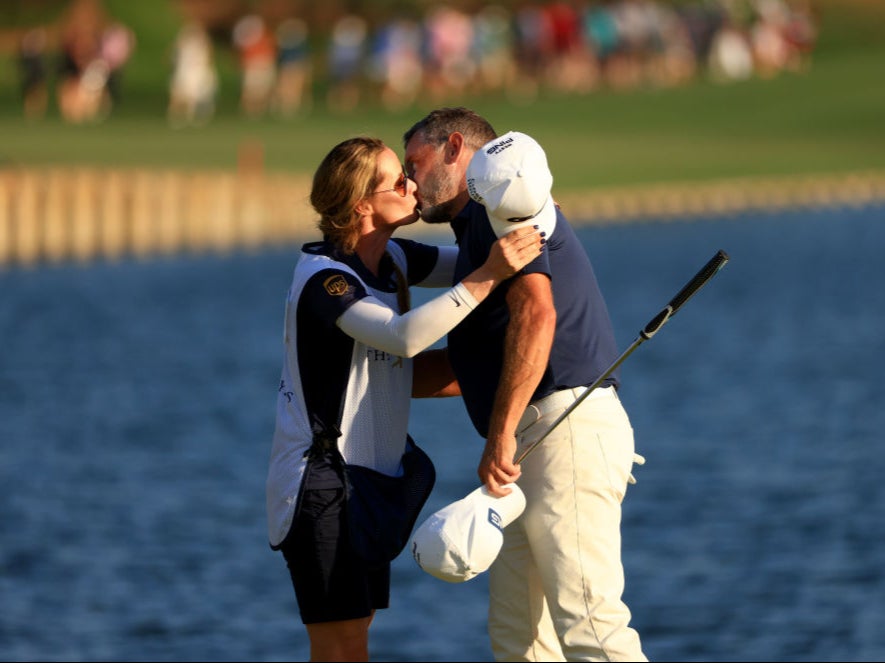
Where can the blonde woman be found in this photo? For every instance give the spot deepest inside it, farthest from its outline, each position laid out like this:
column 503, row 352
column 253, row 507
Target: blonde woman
column 354, row 356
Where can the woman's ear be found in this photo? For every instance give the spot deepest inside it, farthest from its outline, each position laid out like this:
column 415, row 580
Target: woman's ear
column 364, row 207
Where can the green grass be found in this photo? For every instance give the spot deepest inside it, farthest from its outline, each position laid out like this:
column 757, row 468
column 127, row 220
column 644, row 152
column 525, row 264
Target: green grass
column 830, row 119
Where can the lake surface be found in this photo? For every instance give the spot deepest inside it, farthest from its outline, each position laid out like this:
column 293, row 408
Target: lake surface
column 137, row 406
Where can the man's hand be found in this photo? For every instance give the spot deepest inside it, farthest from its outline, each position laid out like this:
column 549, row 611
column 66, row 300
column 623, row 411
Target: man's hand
column 496, row 467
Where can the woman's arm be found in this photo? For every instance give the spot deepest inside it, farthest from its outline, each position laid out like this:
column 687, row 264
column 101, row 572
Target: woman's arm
column 372, row 322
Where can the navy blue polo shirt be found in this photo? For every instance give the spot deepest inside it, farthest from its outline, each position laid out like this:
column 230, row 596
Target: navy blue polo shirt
column 584, row 342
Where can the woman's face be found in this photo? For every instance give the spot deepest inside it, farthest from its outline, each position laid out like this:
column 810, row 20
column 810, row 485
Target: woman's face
column 394, row 202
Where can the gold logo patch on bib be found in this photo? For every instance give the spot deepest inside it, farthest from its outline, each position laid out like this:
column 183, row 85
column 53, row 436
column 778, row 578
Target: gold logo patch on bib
column 335, row 285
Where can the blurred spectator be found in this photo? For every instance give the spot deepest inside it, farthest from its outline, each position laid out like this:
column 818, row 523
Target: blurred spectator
column 83, row 75
column 701, row 22
column 346, row 53
column 601, row 32
column 731, row 56
column 258, row 64
column 673, row 62
column 116, row 46
column 395, row 63
column 32, row 69
column 449, row 67
column 493, row 49
column 572, row 66
column 534, row 46
column 194, row 81
column 625, row 66
column 801, row 33
column 779, row 37
column 294, row 68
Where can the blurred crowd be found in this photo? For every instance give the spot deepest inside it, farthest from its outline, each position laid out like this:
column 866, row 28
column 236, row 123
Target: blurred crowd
column 87, row 69
column 439, row 54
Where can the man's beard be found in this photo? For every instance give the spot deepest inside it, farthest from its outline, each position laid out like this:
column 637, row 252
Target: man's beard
column 438, row 199
column 441, row 213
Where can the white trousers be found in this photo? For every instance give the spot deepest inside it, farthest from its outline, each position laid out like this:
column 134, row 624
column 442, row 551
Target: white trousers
column 556, row 586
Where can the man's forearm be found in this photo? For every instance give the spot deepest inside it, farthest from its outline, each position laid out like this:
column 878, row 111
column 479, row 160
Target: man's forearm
column 527, row 346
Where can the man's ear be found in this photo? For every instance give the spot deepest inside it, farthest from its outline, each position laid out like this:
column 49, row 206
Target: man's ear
column 454, row 146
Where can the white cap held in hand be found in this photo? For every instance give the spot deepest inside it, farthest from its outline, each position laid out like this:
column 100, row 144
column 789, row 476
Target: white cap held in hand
column 510, row 177
column 462, row 540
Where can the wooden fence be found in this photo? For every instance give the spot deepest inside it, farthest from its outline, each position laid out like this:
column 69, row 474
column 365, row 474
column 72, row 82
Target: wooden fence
column 51, row 215
column 54, row 214
column 726, row 197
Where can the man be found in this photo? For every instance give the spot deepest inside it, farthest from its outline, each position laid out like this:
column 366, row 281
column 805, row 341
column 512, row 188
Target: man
column 521, row 358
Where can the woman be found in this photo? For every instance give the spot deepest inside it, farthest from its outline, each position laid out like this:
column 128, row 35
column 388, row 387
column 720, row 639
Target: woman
column 347, row 377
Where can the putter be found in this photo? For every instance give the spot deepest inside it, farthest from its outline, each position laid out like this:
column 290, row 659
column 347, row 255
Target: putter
column 707, row 272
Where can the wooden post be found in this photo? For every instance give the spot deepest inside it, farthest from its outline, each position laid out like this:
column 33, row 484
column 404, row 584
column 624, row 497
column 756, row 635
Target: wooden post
column 6, row 237
column 56, row 231
column 113, row 237
column 221, row 213
column 170, row 234
column 27, row 231
column 85, row 221
column 142, row 229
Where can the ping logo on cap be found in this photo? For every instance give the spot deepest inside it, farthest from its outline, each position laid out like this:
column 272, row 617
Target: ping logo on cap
column 500, row 145
column 495, row 519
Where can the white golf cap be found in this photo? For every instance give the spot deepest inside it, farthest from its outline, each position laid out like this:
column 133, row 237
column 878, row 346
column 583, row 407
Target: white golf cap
column 510, row 177
column 460, row 541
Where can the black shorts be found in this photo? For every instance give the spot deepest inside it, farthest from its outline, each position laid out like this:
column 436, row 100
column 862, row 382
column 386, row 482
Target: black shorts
column 331, row 582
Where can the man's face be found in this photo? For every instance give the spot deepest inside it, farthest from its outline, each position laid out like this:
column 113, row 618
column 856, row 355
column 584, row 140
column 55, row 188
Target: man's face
column 439, row 181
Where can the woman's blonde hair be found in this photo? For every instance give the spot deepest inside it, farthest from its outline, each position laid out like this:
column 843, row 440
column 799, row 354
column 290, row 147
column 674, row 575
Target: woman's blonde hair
column 347, row 174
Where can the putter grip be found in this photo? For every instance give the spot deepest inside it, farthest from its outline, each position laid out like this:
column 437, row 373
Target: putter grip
column 715, row 263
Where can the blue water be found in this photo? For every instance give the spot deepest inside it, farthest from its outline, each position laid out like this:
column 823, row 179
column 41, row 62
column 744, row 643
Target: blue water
column 136, row 410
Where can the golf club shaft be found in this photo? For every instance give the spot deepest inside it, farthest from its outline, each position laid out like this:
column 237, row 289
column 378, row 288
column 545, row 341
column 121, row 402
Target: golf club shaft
column 707, row 272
